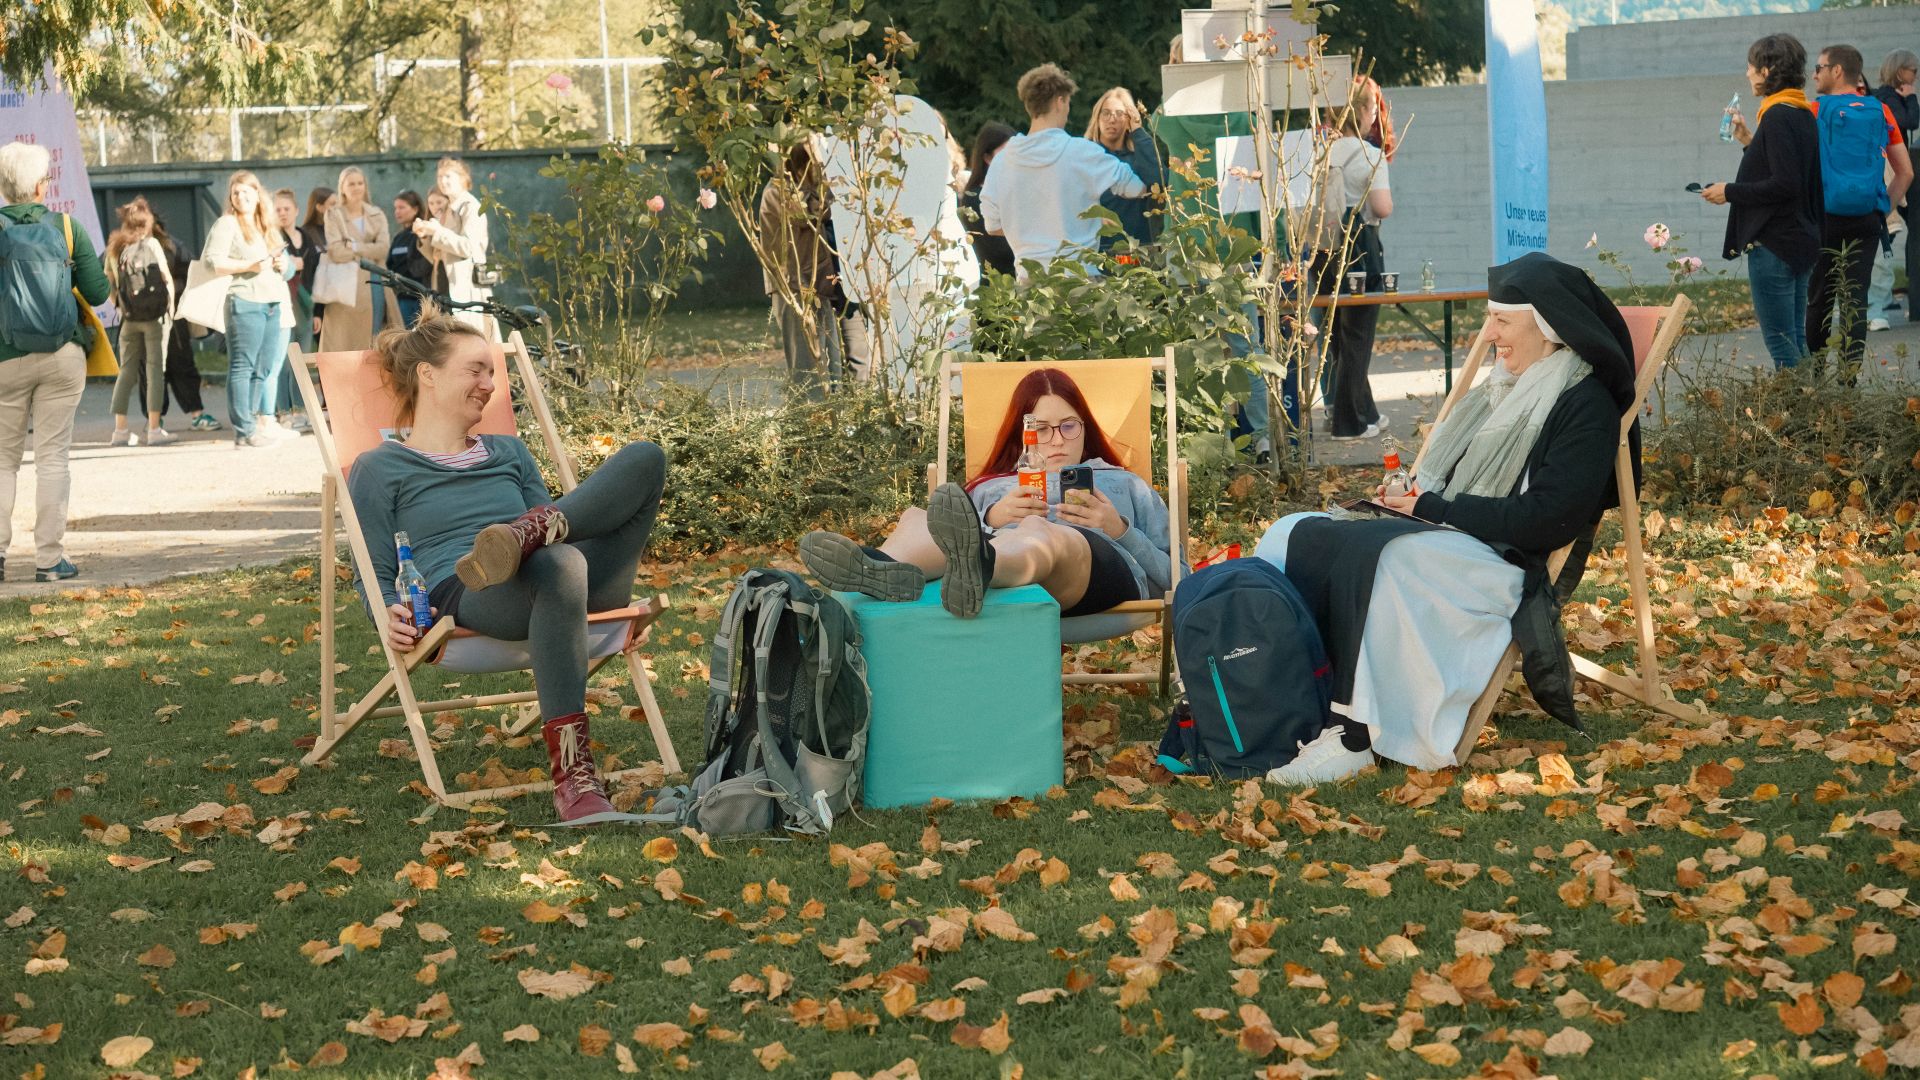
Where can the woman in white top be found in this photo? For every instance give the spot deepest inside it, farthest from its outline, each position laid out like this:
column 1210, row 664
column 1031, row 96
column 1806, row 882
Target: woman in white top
column 457, row 242
column 355, row 230
column 1361, row 168
column 143, row 291
column 245, row 246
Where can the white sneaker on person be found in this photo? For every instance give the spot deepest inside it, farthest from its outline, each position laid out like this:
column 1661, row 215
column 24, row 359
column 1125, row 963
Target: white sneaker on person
column 1321, row 761
column 1372, row 432
column 1879, row 324
column 1384, row 422
column 159, row 436
column 296, row 422
column 255, row 440
column 123, row 437
column 265, row 424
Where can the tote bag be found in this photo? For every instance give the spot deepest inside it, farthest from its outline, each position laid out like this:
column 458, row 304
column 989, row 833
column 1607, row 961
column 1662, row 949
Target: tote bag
column 204, row 300
column 337, row 283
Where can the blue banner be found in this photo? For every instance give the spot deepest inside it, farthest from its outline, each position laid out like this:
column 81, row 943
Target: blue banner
column 1517, row 130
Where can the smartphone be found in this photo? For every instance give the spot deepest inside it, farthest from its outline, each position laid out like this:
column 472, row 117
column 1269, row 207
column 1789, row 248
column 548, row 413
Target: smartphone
column 1075, row 476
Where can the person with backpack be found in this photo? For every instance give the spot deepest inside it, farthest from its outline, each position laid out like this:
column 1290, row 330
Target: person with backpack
column 48, row 268
column 143, row 291
column 498, row 552
column 1774, row 202
column 1859, row 140
column 1090, row 548
column 1414, row 616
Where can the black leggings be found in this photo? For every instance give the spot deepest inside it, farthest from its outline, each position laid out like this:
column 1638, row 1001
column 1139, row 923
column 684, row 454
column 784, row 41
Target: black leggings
column 609, row 517
column 1109, row 580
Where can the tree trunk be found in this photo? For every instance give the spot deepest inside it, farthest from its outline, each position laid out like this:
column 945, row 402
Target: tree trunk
column 473, row 133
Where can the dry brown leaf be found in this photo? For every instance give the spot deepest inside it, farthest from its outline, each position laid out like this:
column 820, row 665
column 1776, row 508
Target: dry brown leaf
column 557, row 985
column 329, row 1055
column 679, row 967
column 994, row 1040
column 773, row 1055
column 159, row 956
column 125, row 1050
column 661, row 849
column 1804, row 1016
column 1041, row 996
column 662, row 1037
column 524, row 1033
column 1568, row 1042
column 542, row 912
column 594, row 1039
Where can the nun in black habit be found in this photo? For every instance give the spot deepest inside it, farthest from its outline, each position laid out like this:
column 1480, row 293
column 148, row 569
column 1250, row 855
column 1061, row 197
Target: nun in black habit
column 1417, row 614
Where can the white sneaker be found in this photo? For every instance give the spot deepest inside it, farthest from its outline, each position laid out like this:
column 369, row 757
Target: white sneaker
column 159, row 436
column 1321, row 761
column 1879, row 324
column 1372, row 432
column 296, row 422
column 123, row 437
column 267, row 425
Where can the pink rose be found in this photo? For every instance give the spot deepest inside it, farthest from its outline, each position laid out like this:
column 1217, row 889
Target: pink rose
column 1688, row 265
column 1657, row 236
column 560, row 81
column 707, row 199
column 657, row 204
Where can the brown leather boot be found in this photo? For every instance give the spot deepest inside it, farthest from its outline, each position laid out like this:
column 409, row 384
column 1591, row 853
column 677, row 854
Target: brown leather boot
column 499, row 549
column 578, row 796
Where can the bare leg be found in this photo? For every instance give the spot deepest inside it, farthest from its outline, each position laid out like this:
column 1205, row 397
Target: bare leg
column 1036, row 552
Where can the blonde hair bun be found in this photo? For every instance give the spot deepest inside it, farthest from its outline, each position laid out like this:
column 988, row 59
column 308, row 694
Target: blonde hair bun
column 401, row 351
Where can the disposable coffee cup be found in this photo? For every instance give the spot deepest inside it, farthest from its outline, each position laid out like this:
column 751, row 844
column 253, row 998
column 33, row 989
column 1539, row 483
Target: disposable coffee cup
column 1357, row 282
column 1390, row 281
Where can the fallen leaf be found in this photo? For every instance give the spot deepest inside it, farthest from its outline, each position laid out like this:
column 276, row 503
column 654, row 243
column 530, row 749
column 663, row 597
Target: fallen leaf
column 1568, row 1042
column 662, row 1037
column 329, row 1054
column 1804, row 1016
column 772, row 1056
column 125, row 1050
column 524, row 1033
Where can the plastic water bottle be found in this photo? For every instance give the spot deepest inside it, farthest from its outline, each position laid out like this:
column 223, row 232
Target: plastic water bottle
column 1426, row 276
column 1032, row 468
column 410, row 585
column 1726, row 119
column 1399, row 480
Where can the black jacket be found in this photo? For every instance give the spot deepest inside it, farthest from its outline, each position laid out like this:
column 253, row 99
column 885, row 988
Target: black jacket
column 1906, row 110
column 1568, row 477
column 1775, row 199
column 991, row 250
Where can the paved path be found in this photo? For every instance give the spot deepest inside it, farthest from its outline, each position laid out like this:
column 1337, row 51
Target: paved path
column 143, row 514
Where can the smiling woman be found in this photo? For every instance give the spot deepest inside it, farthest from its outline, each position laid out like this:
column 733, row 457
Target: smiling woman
column 495, row 549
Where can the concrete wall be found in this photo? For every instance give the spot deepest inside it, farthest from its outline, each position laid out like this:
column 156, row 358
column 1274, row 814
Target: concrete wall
column 1719, row 46
column 510, row 176
column 1622, row 157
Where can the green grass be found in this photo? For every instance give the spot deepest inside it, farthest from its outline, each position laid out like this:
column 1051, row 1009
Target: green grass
column 152, row 671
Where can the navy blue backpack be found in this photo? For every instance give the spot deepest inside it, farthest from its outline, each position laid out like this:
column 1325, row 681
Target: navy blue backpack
column 1256, row 674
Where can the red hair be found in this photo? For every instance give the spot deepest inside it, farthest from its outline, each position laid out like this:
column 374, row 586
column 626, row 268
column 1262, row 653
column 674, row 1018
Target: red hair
column 1038, row 384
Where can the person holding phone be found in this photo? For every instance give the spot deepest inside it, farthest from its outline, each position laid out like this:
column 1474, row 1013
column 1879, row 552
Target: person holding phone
column 1104, row 542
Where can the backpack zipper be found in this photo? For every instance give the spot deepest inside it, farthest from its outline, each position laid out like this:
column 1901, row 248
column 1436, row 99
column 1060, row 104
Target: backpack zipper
column 1226, row 710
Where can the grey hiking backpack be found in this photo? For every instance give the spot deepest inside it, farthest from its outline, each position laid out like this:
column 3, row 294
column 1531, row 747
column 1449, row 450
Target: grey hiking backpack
column 786, row 714
column 38, row 312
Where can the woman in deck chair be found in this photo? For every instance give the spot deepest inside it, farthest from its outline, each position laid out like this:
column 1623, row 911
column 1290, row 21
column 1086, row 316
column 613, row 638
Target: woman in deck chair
column 1092, row 550
column 1416, row 616
column 498, row 552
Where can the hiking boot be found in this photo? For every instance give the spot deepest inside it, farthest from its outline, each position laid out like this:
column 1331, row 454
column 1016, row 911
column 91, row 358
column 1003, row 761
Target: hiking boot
column 1321, row 761
column 841, row 564
column 955, row 526
column 578, row 796
column 59, row 571
column 499, row 549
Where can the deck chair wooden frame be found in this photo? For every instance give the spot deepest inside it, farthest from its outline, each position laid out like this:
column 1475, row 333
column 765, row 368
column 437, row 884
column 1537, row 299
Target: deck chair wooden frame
column 1655, row 329
column 1136, row 403
column 610, row 633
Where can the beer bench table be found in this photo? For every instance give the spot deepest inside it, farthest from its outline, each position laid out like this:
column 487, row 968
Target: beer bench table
column 1446, row 298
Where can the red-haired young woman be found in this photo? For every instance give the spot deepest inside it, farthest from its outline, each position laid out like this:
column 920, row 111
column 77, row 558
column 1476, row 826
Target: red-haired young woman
column 1091, row 551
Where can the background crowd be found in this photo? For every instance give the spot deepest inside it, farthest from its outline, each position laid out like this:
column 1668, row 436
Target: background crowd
column 268, row 274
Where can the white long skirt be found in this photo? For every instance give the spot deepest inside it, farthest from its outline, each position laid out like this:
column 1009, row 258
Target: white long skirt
column 1439, row 620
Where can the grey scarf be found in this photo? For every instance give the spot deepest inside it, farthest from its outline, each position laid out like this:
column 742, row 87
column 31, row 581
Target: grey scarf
column 1482, row 446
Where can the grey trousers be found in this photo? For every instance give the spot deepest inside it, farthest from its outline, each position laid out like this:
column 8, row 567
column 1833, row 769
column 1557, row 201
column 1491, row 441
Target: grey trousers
column 609, row 518
column 143, row 348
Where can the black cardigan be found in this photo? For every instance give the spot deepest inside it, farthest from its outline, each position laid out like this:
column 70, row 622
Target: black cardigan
column 1775, row 199
column 1569, row 481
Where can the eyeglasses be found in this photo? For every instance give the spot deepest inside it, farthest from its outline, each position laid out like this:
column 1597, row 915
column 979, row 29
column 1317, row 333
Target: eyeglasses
column 1822, row 67
column 1069, row 430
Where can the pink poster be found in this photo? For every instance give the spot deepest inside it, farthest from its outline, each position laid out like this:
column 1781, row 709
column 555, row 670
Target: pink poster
column 46, row 116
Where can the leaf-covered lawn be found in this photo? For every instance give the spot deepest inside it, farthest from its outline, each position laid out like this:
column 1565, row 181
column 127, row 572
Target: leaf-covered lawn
column 182, row 898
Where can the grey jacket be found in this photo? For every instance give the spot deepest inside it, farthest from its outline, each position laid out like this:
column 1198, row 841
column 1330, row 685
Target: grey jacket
column 1143, row 545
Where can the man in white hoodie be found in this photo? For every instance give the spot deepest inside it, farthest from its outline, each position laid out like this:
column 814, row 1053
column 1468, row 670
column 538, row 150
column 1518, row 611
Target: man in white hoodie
column 1041, row 182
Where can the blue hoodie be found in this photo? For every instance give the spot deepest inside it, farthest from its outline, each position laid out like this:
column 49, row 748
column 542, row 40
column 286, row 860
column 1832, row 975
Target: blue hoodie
column 1040, row 185
column 1143, row 546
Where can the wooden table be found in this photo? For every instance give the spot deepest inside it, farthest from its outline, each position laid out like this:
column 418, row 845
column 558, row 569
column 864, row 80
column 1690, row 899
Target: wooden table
column 1446, row 298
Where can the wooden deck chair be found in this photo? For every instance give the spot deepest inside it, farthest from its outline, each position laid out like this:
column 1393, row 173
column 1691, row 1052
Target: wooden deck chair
column 1120, row 394
column 1654, row 330
column 359, row 414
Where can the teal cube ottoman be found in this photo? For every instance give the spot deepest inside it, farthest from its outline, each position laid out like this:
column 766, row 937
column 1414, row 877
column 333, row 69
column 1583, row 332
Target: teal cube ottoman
column 963, row 709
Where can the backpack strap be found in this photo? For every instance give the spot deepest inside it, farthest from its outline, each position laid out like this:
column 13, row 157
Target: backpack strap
column 800, row 816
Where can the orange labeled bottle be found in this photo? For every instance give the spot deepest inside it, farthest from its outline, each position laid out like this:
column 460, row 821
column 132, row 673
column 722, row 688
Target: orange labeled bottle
column 1399, row 481
column 1031, row 470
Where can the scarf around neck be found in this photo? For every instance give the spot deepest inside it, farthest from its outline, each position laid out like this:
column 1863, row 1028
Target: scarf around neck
column 1482, row 446
column 1792, row 97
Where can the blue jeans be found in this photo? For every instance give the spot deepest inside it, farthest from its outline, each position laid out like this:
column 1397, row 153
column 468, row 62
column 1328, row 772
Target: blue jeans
column 1880, row 293
column 409, row 311
column 1780, row 305
column 256, row 351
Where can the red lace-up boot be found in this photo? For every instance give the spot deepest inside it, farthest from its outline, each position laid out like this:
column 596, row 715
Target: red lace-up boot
column 499, row 549
column 578, row 796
